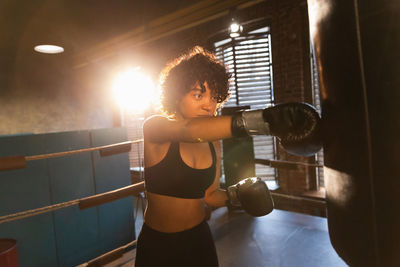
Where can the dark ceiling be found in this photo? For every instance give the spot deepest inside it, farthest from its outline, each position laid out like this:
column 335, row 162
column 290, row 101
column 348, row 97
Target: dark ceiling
column 77, row 25
column 91, row 31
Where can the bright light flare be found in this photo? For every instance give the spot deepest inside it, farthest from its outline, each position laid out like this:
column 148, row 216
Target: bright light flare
column 134, row 90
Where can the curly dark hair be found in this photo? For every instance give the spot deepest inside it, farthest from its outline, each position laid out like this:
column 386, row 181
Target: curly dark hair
column 197, row 65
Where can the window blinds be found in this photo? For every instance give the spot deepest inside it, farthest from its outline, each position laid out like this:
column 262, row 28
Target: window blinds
column 248, row 59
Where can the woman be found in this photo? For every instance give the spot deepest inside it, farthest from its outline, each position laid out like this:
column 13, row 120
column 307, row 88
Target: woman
column 182, row 163
column 182, row 159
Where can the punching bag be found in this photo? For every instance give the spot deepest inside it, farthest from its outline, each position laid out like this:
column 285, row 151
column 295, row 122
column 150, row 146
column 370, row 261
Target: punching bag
column 357, row 47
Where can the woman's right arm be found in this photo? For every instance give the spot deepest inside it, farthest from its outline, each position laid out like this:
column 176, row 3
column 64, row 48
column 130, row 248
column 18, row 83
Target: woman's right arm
column 159, row 129
column 297, row 125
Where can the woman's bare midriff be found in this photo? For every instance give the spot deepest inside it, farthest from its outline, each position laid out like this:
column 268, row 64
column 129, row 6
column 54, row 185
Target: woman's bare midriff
column 170, row 214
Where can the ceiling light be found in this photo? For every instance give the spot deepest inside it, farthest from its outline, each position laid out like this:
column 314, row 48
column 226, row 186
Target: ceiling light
column 49, row 49
column 235, row 29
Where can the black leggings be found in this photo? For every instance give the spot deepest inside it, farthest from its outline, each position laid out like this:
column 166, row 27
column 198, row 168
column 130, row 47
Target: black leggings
column 193, row 247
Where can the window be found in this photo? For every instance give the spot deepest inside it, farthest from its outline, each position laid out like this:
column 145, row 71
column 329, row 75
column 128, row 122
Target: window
column 248, row 59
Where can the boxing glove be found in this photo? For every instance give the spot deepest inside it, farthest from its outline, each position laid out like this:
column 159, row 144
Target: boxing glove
column 251, row 194
column 296, row 125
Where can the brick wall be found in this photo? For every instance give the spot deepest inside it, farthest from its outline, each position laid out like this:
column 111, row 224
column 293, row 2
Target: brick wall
column 292, row 79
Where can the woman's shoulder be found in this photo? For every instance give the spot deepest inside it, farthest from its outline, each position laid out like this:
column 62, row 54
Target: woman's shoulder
column 155, row 119
column 156, row 128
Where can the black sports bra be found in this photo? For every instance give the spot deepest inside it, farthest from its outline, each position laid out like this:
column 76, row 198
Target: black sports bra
column 173, row 177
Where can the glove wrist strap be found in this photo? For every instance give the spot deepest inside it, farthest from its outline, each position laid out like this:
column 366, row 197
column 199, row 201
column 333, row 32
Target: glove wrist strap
column 249, row 122
column 233, row 197
column 254, row 122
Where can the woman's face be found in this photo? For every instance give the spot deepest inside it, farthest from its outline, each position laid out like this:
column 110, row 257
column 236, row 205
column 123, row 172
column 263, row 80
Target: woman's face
column 198, row 102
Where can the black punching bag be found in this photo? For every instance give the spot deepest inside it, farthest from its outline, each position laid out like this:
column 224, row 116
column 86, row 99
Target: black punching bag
column 357, row 45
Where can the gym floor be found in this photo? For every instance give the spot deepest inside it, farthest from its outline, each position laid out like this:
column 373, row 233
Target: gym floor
column 282, row 238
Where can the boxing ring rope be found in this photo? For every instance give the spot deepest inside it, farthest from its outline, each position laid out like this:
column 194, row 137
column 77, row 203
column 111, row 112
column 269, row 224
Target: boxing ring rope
column 108, row 256
column 19, row 162
column 282, row 164
column 33, row 212
column 83, row 203
column 91, row 201
column 291, row 197
column 290, row 165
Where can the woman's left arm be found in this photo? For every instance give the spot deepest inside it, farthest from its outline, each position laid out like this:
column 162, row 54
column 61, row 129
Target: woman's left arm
column 215, row 196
